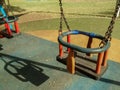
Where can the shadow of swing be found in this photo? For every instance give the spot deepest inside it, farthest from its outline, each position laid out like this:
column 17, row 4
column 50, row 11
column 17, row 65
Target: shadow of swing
column 24, row 70
column 16, row 8
column 27, row 70
column 110, row 81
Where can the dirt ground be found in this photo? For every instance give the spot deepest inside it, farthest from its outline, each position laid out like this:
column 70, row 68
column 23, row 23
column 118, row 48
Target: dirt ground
column 34, row 16
column 52, row 35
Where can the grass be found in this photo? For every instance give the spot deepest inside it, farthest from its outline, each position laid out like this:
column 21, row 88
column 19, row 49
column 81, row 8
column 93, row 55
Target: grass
column 81, row 14
column 83, row 7
column 96, row 25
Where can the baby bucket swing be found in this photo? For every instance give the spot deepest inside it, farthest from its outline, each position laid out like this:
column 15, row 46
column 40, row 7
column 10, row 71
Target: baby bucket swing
column 74, row 59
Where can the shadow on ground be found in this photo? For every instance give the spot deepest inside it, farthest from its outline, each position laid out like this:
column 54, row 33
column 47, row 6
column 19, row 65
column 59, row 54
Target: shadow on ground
column 26, row 70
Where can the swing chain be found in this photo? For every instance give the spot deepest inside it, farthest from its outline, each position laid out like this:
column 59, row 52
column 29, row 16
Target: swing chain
column 63, row 17
column 7, row 6
column 10, row 8
column 108, row 33
column 1, row 2
column 108, row 36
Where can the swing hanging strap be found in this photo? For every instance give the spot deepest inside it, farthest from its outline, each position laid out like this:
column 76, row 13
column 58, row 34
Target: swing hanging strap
column 110, row 28
column 62, row 17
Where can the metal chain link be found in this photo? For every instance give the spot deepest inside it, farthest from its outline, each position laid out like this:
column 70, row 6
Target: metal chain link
column 10, row 8
column 108, row 33
column 7, row 7
column 1, row 2
column 63, row 17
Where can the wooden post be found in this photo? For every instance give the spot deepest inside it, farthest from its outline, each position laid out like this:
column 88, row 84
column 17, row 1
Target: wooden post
column 8, row 29
column 16, row 27
column 89, row 45
column 60, row 51
column 104, row 63
column 5, row 26
column 99, row 62
column 68, row 40
column 60, row 46
column 71, row 62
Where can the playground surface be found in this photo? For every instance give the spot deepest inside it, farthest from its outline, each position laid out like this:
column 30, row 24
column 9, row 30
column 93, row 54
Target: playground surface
column 29, row 63
column 28, row 60
column 52, row 35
